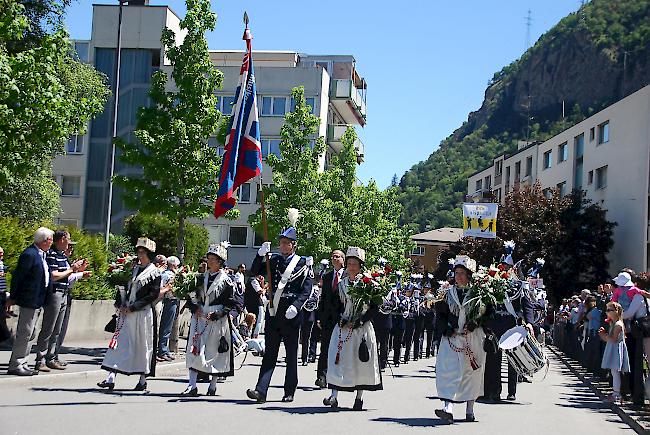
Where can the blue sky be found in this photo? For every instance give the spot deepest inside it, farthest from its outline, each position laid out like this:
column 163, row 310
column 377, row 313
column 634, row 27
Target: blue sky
column 427, row 63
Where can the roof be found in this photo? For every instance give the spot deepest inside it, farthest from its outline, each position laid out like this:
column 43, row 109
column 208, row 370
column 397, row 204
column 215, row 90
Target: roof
column 444, row 235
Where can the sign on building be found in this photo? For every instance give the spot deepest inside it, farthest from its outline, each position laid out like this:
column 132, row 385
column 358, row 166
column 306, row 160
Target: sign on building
column 480, row 220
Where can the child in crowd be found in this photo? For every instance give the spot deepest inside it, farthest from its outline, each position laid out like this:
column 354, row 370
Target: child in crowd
column 615, row 357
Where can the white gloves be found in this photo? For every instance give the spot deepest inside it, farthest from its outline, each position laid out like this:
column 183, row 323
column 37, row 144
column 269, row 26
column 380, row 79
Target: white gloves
column 309, row 261
column 264, row 249
column 292, row 312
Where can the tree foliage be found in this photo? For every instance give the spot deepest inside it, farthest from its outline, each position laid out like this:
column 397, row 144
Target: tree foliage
column 570, row 232
column 336, row 211
column 33, row 198
column 179, row 168
column 45, row 94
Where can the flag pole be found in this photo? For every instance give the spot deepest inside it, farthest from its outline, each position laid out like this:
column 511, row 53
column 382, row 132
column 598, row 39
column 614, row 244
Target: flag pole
column 247, row 37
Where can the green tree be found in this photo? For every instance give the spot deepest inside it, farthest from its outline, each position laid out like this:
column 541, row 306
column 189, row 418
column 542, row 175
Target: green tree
column 45, row 95
column 179, row 168
column 297, row 182
column 33, row 198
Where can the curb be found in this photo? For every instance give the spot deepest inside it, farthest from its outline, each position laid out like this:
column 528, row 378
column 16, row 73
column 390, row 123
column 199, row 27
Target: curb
column 624, row 416
column 166, row 370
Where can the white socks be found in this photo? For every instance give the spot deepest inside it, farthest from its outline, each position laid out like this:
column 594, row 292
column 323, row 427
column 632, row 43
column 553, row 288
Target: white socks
column 335, row 394
column 193, row 377
column 447, row 406
column 213, row 383
column 111, row 377
column 470, row 407
column 359, row 394
column 143, row 379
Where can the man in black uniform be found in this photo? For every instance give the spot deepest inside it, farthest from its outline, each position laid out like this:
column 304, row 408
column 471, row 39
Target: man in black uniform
column 399, row 325
column 413, row 296
column 291, row 284
column 329, row 309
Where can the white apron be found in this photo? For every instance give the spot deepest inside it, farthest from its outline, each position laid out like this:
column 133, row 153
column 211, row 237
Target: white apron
column 351, row 374
column 135, row 346
column 456, row 379
column 209, row 359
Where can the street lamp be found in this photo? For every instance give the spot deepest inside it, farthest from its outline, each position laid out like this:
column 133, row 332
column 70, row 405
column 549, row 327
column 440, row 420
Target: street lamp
column 115, row 107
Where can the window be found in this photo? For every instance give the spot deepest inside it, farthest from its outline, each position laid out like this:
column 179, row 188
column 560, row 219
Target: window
column 603, row 132
column 561, row 187
column 82, row 50
column 238, row 236
column 274, row 106
column 75, row 145
column 479, row 185
column 418, row 250
column 577, row 175
column 498, row 195
column 258, row 194
column 70, row 185
column 548, row 159
column 517, row 171
column 601, row 177
column 579, row 145
column 488, row 182
column 591, row 134
column 271, row 146
column 227, row 105
column 259, row 239
column 498, row 168
column 529, row 166
column 310, row 101
column 244, row 193
column 507, row 176
column 69, row 223
column 590, row 177
column 562, row 153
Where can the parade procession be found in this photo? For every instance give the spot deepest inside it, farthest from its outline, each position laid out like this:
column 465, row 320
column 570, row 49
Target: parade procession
column 215, row 216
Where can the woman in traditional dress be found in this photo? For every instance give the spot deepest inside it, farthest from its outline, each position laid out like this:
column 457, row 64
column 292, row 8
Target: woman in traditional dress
column 131, row 349
column 460, row 365
column 353, row 362
column 209, row 345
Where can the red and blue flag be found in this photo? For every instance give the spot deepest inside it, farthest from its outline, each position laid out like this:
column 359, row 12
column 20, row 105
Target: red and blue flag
column 242, row 159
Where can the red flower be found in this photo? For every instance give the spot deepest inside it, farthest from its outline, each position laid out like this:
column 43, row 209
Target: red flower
column 505, row 275
column 375, row 274
column 366, row 279
column 388, row 269
column 110, row 269
column 502, row 267
column 492, row 272
column 121, row 260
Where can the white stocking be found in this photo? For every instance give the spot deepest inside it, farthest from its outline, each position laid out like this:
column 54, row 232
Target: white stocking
column 359, row 394
column 193, row 377
column 111, row 377
column 447, row 406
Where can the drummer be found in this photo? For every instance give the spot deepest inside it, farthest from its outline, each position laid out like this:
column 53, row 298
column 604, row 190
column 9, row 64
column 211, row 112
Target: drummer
column 505, row 317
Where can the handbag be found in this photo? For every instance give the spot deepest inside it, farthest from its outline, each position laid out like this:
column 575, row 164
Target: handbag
column 364, row 354
column 111, row 325
column 223, row 345
column 491, row 343
column 642, row 325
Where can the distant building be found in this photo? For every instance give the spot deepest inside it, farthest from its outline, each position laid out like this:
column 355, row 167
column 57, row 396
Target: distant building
column 430, row 244
column 607, row 156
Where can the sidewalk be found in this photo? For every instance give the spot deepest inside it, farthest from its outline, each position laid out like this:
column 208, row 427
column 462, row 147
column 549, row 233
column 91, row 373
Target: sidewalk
column 84, row 362
column 637, row 419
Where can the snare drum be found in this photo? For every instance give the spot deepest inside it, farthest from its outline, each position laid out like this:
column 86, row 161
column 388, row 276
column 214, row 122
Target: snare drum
column 523, row 351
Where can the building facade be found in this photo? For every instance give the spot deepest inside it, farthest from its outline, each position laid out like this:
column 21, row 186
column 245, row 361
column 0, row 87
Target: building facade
column 607, row 156
column 333, row 88
column 430, row 244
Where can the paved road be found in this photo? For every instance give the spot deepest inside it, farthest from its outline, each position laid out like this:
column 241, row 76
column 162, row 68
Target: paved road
column 561, row 404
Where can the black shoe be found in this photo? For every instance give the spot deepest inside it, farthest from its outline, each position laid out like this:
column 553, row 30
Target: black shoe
column 190, row 392
column 255, row 395
column 304, row 363
column 358, row 405
column 445, row 416
column 511, row 397
column 288, row 398
column 312, row 359
column 321, row 382
column 396, row 363
column 331, row 402
column 212, row 392
column 21, row 371
column 140, row 387
column 104, row 384
column 470, row 417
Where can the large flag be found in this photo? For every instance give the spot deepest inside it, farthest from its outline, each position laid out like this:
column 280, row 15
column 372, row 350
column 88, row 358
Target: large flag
column 242, row 159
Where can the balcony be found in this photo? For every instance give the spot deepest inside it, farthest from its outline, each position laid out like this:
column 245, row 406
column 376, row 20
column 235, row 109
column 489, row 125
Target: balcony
column 334, row 134
column 349, row 100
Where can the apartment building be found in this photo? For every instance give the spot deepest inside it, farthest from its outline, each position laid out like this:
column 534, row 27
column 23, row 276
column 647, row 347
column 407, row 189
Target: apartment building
column 606, row 156
column 333, row 88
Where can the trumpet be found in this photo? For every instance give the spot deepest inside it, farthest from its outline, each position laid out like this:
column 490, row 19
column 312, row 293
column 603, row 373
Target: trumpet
column 389, row 304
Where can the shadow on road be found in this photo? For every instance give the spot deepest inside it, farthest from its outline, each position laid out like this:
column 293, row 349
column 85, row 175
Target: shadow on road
column 57, row 404
column 305, row 410
column 413, row 422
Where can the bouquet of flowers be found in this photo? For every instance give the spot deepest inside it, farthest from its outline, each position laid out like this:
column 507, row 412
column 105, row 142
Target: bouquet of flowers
column 186, row 281
column 119, row 272
column 489, row 286
column 371, row 288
